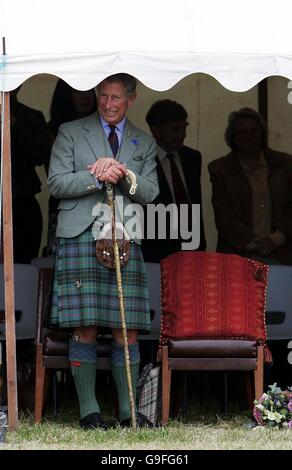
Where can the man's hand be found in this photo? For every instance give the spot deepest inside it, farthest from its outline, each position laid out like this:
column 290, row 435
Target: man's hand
column 264, row 246
column 108, row 169
column 101, row 166
column 113, row 174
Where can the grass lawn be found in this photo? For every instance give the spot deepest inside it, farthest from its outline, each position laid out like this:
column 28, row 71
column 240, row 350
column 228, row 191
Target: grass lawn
column 202, row 427
column 225, row 434
column 199, row 429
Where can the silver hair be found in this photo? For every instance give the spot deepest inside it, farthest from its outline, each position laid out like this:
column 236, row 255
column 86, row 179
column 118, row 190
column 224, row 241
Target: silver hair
column 129, row 82
column 244, row 113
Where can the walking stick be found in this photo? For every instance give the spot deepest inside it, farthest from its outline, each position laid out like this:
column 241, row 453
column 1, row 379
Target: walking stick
column 110, row 198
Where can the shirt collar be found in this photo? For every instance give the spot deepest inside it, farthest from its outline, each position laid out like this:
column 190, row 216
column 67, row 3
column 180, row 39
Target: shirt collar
column 261, row 163
column 162, row 153
column 106, row 126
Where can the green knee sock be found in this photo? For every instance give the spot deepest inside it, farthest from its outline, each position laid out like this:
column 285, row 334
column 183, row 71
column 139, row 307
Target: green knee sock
column 84, row 379
column 120, row 376
column 83, row 367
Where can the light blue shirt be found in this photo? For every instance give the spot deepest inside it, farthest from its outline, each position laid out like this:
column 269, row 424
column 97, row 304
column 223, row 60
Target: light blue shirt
column 119, row 128
column 119, row 131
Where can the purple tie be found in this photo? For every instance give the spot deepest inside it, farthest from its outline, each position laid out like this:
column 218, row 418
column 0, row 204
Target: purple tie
column 113, row 140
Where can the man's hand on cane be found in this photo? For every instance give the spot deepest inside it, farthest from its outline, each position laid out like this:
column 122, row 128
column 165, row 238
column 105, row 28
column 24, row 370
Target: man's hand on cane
column 108, row 169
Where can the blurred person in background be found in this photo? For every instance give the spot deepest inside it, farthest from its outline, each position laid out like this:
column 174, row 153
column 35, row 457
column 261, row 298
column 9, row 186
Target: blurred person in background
column 252, row 193
column 67, row 105
column 29, row 148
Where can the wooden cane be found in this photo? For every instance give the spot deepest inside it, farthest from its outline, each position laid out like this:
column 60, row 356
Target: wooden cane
column 110, row 198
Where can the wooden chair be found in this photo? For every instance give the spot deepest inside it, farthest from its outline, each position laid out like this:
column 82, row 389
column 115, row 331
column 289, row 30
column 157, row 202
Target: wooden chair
column 182, row 351
column 52, row 346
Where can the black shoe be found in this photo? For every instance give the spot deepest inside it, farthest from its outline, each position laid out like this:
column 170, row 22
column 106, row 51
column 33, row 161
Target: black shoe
column 93, row 421
column 142, row 422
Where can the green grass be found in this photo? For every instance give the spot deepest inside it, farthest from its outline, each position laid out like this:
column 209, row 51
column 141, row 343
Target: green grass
column 200, row 429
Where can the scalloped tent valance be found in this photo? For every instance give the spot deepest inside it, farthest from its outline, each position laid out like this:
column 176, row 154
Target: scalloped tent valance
column 158, row 41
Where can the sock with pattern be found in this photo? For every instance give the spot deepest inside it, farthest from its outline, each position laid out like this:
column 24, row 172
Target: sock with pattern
column 82, row 357
column 120, row 375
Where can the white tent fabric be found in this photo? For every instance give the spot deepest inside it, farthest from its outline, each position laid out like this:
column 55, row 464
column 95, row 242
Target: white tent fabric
column 158, row 41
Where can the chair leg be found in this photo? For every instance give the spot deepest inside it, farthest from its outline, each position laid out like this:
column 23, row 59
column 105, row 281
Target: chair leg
column 248, row 388
column 55, row 392
column 40, row 372
column 179, row 389
column 166, row 383
column 225, row 392
column 259, row 374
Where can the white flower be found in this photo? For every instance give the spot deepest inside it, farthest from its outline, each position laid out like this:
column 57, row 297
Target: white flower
column 274, row 416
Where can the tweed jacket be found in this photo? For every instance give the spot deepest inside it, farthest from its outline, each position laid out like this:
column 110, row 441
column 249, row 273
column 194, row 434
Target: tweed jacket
column 232, row 199
column 82, row 142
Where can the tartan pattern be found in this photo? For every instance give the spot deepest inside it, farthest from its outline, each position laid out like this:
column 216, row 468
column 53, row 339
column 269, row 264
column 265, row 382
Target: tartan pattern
column 148, row 392
column 85, row 292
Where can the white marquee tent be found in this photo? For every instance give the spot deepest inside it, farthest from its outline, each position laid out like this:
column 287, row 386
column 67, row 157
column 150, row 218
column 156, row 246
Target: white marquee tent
column 158, row 41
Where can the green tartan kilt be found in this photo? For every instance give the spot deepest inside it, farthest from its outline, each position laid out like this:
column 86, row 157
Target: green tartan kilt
column 85, row 292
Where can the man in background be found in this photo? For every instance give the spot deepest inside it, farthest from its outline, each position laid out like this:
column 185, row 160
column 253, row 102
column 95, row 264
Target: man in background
column 178, row 169
column 29, row 148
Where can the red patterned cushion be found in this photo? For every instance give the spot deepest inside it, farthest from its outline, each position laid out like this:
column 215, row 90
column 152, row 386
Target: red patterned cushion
column 209, row 295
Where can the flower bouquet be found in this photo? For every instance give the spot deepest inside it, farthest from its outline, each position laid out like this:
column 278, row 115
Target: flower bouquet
column 274, row 408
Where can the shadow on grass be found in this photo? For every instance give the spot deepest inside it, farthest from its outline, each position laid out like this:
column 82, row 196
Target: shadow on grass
column 201, row 402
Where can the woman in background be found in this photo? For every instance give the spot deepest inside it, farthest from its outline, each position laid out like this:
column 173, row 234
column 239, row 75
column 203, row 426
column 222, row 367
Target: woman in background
column 67, row 104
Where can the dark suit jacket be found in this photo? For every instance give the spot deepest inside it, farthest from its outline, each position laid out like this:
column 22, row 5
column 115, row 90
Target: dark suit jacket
column 155, row 250
column 232, row 201
column 29, row 148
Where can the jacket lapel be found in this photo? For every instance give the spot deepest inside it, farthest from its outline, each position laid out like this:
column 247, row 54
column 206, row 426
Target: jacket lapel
column 165, row 195
column 235, row 170
column 130, row 143
column 95, row 136
column 273, row 161
column 190, row 172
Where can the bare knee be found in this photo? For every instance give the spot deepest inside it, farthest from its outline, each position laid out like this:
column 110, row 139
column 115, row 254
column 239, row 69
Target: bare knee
column 87, row 334
column 118, row 336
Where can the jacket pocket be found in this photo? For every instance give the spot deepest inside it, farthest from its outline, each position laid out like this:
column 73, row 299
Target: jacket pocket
column 135, row 165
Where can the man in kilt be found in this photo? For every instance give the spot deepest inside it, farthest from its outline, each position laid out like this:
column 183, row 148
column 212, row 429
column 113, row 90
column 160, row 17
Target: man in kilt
column 87, row 153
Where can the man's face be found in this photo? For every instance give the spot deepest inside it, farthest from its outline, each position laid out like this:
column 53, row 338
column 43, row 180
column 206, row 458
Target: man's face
column 247, row 136
column 83, row 101
column 113, row 101
column 171, row 136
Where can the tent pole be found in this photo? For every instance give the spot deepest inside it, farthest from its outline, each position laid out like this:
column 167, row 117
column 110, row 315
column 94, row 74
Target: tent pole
column 9, row 271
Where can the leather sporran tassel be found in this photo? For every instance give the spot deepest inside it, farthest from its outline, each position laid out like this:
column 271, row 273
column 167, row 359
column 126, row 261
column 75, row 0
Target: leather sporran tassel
column 105, row 247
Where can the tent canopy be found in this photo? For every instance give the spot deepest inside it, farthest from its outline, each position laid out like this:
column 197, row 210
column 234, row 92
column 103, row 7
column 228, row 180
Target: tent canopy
column 158, row 41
